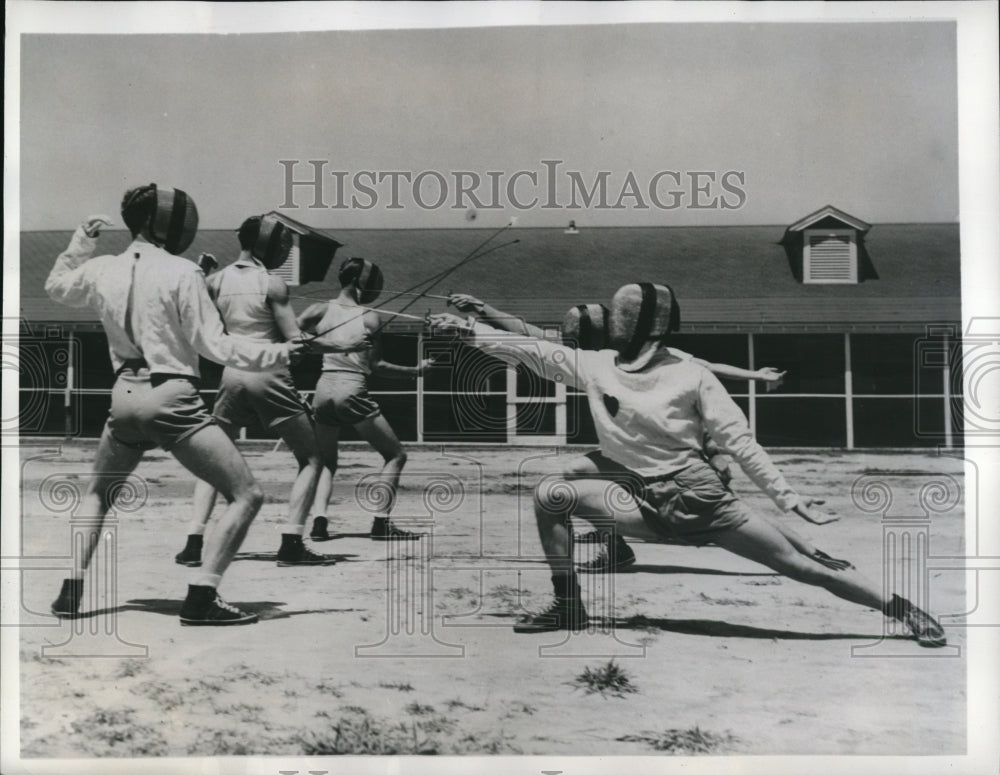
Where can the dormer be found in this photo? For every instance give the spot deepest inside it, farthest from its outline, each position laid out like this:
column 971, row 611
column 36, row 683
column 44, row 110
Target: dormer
column 826, row 247
column 311, row 255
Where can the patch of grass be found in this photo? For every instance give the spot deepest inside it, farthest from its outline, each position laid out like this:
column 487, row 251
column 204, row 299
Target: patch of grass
column 460, row 705
column 725, row 600
column 107, row 732
column 416, row 709
column 608, row 679
column 243, row 672
column 163, row 693
column 130, row 668
column 459, row 593
column 494, row 743
column 328, row 688
column 360, row 734
column 684, row 742
column 399, row 686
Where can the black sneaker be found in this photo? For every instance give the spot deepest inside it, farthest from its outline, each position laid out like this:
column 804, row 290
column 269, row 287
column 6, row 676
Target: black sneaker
column 923, row 627
column 319, row 530
column 561, row 615
column 190, row 555
column 384, row 530
column 216, row 613
column 67, row 605
column 609, row 560
column 294, row 552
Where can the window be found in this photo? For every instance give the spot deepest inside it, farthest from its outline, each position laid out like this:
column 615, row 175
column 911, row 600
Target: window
column 830, row 256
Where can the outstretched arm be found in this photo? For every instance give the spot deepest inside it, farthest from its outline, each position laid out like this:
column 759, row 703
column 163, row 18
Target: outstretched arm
column 465, row 303
column 373, row 324
column 765, row 374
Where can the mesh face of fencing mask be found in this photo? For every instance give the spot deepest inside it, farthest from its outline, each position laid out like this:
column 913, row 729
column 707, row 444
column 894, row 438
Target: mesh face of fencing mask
column 174, row 221
column 273, row 243
column 366, row 276
column 640, row 313
column 585, row 327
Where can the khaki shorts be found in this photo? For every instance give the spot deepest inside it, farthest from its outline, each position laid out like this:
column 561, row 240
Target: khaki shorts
column 691, row 505
column 267, row 396
column 155, row 412
column 342, row 399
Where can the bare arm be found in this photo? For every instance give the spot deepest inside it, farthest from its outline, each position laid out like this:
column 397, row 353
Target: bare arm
column 281, row 307
column 465, row 303
column 766, row 374
column 373, row 324
column 311, row 316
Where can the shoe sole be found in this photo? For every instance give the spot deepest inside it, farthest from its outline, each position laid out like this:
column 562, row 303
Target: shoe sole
column 282, row 564
column 64, row 614
column 522, row 629
column 616, row 567
column 218, row 622
column 395, row 538
column 320, row 539
column 189, row 563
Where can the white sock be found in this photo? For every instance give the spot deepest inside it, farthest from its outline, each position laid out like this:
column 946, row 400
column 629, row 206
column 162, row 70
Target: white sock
column 205, row 579
column 293, row 530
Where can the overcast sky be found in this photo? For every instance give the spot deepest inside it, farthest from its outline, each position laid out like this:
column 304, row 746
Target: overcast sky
column 862, row 116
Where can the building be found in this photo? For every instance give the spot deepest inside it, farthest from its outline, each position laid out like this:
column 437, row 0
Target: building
column 865, row 318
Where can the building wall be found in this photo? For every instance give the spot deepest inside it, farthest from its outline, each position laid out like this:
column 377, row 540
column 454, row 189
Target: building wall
column 852, row 390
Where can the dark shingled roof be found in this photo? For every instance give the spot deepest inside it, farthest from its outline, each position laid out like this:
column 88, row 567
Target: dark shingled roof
column 733, row 278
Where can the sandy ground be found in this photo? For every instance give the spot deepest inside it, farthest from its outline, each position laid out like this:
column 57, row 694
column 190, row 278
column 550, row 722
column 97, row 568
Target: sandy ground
column 412, row 651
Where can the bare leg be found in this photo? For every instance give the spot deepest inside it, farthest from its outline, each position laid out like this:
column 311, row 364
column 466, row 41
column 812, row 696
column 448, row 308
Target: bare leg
column 327, row 438
column 211, row 455
column 299, row 434
column 202, row 505
column 113, row 464
column 383, row 439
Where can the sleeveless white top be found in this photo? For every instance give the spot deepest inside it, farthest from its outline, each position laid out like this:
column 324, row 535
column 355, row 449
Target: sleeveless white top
column 240, row 292
column 344, row 325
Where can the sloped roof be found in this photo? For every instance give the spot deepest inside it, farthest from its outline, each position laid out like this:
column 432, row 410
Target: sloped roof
column 726, row 278
column 829, row 211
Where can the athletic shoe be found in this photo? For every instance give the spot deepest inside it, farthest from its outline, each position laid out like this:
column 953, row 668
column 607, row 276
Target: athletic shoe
column 294, row 552
column 923, row 627
column 67, row 605
column 567, row 615
column 319, row 531
column 190, row 555
column 215, row 613
column 621, row 557
column 384, row 530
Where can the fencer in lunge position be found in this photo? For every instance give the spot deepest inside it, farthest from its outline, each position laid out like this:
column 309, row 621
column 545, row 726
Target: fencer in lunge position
column 585, row 326
column 255, row 306
column 652, row 411
column 158, row 318
column 342, row 397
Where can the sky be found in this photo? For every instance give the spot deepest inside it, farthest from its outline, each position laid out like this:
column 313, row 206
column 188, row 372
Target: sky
column 790, row 116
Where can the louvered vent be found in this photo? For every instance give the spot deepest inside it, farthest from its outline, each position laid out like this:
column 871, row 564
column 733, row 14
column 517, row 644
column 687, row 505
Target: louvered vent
column 831, row 258
column 289, row 271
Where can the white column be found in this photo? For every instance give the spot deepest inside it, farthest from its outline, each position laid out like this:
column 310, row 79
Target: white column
column 420, row 389
column 68, row 390
column 848, row 390
column 946, row 391
column 752, row 389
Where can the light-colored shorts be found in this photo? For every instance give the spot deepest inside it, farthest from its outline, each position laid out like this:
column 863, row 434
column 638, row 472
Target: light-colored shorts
column 691, row 505
column 342, row 399
column 155, row 411
column 267, row 396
